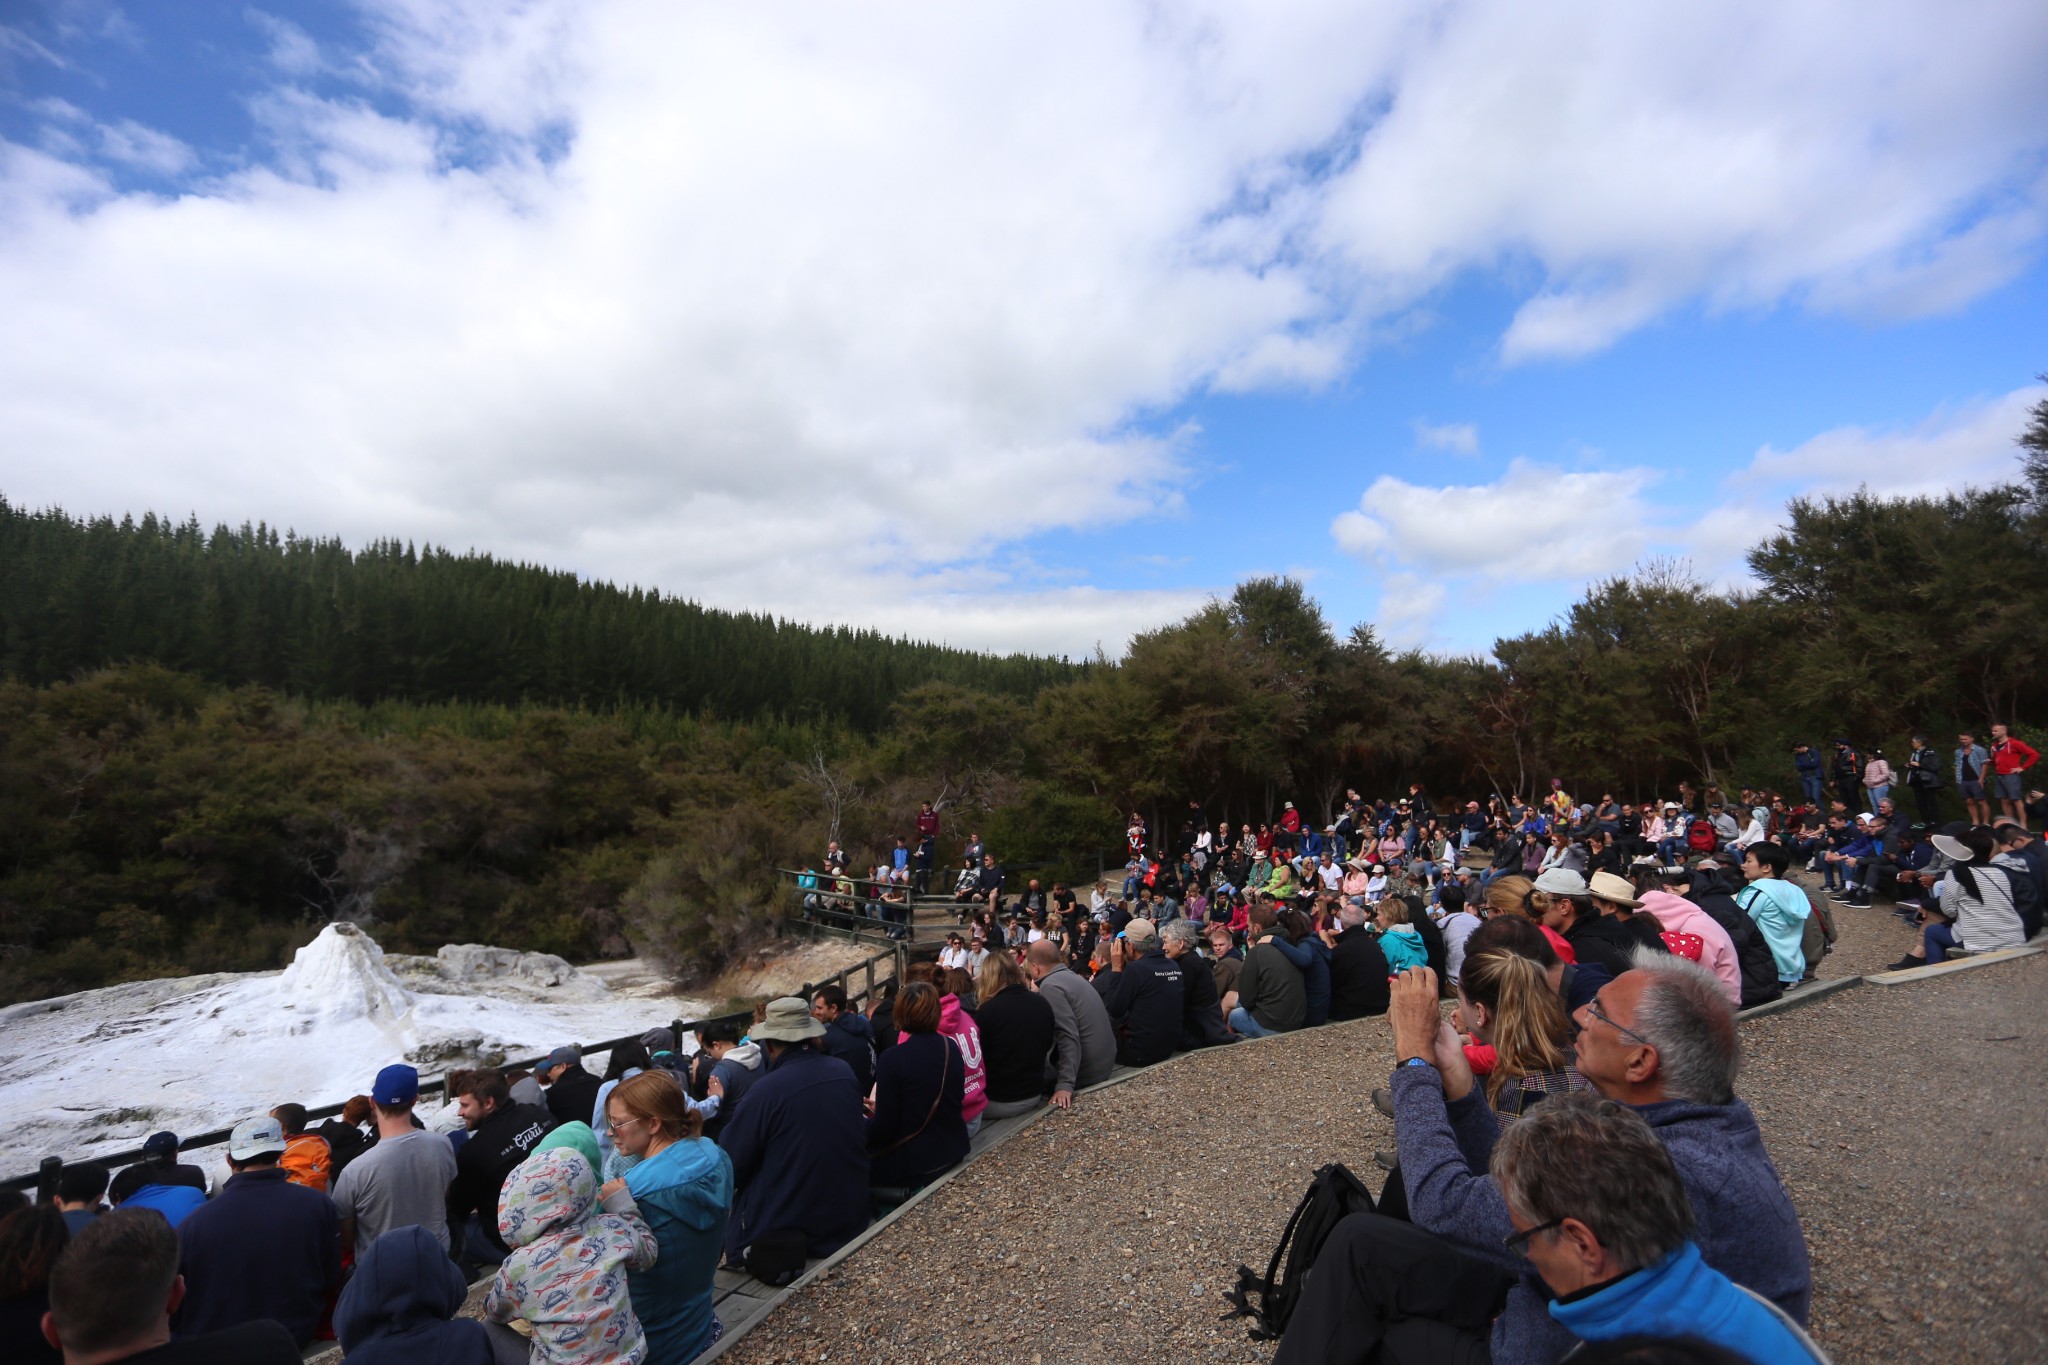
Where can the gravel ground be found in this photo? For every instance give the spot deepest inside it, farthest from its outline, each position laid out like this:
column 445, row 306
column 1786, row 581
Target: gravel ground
column 1919, row 1167
column 1109, row 1234
column 1870, row 940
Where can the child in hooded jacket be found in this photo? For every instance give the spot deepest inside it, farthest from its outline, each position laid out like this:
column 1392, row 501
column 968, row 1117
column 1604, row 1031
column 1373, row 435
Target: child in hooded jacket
column 567, row 1271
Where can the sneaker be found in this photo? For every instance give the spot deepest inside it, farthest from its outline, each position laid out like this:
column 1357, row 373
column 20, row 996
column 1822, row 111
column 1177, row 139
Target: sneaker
column 1383, row 1100
column 1845, row 895
column 1387, row 1161
column 1860, row 901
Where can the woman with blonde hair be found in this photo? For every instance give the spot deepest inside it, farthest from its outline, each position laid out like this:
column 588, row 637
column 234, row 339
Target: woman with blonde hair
column 1505, row 1000
column 1519, row 896
column 683, row 1185
column 1017, row 1031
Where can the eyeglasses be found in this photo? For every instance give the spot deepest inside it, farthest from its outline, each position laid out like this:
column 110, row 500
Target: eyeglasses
column 615, row 1125
column 1593, row 1008
column 1519, row 1241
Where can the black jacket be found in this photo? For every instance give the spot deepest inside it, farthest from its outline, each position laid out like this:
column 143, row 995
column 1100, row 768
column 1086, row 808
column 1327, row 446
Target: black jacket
column 1016, row 1038
column 1358, row 976
column 1147, row 1004
column 573, row 1096
column 851, row 1038
column 1604, row 941
column 1760, row 985
column 1201, row 1007
column 498, row 1144
column 907, row 1081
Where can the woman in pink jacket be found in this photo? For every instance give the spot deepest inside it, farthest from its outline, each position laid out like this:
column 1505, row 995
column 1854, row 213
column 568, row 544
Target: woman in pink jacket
column 1678, row 915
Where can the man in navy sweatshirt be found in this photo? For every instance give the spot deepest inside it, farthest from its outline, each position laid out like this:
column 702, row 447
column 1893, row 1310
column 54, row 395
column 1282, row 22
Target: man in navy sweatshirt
column 1659, row 1038
column 262, row 1248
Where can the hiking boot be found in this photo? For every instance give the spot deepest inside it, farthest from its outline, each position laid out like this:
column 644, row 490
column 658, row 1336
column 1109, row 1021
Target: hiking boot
column 1387, row 1161
column 1383, row 1100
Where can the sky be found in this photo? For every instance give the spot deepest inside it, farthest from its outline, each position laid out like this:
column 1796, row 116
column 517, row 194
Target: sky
column 1024, row 327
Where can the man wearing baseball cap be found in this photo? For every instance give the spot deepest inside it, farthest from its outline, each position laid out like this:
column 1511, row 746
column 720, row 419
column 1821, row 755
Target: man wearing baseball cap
column 403, row 1180
column 159, row 1166
column 263, row 1248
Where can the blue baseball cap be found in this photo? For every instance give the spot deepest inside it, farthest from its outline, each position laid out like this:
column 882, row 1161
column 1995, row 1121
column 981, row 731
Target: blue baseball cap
column 396, row 1084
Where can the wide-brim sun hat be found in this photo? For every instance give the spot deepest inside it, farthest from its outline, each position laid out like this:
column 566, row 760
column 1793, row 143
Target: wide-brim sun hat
column 1609, row 887
column 788, row 1021
column 1953, row 847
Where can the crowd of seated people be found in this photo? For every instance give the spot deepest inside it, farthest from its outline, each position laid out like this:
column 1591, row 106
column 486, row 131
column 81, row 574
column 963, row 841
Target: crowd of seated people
column 1595, row 954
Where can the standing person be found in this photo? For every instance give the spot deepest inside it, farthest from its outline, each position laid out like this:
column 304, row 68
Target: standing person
column 112, row 1293
column 1923, row 775
column 682, row 1183
column 799, row 1143
column 501, row 1135
column 1807, row 764
column 265, row 1247
column 404, row 1179
column 1973, row 774
column 2010, row 759
column 1848, row 774
column 1877, row 779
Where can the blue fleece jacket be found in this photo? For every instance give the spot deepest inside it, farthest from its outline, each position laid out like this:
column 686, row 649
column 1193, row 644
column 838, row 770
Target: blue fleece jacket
column 398, row 1305
column 1682, row 1296
column 1743, row 1218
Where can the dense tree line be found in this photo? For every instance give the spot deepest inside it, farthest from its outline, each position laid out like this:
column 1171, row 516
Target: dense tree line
column 316, row 619
column 266, row 772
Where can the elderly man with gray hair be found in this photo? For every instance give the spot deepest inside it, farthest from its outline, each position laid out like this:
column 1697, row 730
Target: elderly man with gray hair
column 1660, row 1038
column 1201, row 1007
column 1602, row 1216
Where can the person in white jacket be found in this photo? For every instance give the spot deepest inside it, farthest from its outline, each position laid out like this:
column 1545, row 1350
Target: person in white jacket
column 1678, row 915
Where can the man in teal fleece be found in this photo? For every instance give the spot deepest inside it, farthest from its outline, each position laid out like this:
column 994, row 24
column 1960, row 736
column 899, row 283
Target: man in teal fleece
column 1601, row 1214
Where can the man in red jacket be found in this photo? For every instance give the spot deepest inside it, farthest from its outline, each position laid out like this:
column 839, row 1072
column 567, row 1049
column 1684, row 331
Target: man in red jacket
column 2009, row 758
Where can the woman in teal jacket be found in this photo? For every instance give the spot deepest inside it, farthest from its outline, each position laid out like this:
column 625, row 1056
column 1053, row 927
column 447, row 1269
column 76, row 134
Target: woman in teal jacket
column 683, row 1184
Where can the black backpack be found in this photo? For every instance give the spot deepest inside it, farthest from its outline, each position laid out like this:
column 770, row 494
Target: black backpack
column 1333, row 1194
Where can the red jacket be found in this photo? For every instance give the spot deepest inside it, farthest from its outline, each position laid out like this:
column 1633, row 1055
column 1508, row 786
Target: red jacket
column 927, row 822
column 2011, row 755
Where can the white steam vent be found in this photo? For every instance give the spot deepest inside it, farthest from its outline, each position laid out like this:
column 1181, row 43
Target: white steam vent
column 340, row 976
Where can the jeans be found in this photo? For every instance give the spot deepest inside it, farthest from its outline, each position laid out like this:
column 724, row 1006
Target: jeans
column 1876, row 794
column 1242, row 1021
column 1811, row 785
column 1938, row 938
column 1671, row 850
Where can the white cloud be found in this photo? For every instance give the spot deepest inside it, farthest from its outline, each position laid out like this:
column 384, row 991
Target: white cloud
column 1967, row 444
column 145, row 149
column 1535, row 522
column 1459, row 437
column 817, row 310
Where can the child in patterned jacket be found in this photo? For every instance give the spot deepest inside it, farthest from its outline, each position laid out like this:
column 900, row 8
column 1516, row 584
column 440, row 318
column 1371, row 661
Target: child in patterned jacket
column 567, row 1271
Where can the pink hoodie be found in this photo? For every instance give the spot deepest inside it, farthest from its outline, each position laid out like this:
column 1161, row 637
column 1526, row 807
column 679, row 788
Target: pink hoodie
column 1678, row 915
column 957, row 1024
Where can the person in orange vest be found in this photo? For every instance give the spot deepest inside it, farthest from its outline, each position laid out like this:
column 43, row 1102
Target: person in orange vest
column 307, row 1157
